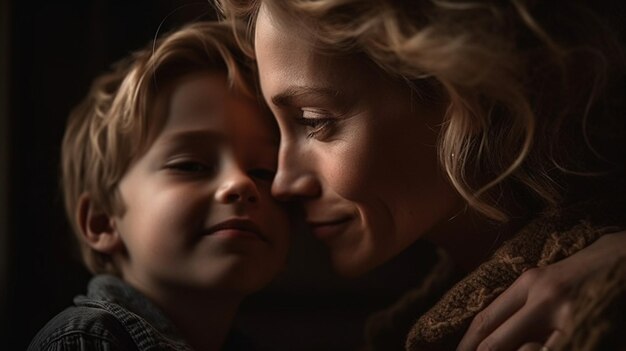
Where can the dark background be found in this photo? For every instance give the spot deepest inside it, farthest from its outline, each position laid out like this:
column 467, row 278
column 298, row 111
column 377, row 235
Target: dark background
column 49, row 53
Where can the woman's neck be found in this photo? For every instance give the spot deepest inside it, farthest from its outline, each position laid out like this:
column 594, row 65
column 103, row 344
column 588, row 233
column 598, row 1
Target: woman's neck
column 470, row 238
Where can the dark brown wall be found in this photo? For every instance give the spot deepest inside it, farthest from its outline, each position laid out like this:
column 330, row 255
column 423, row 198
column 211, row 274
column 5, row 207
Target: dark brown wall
column 4, row 143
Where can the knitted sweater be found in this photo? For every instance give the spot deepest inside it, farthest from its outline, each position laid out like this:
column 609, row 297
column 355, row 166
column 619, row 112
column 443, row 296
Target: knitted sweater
column 438, row 323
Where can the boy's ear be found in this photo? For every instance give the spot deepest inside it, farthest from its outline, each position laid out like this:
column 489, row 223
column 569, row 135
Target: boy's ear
column 97, row 226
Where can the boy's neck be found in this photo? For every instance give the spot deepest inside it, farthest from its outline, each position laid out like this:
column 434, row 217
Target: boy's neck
column 202, row 319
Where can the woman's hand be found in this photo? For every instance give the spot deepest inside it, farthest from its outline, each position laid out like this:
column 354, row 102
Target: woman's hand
column 534, row 312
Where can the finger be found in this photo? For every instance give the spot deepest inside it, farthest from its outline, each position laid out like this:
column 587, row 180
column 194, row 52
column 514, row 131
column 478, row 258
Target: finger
column 554, row 338
column 528, row 324
column 533, row 346
column 563, row 319
column 550, row 344
column 502, row 308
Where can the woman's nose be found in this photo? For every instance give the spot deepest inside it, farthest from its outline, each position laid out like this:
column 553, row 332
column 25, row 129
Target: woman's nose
column 295, row 177
column 237, row 187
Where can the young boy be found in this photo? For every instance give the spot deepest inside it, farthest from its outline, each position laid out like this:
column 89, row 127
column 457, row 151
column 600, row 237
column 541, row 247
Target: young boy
column 167, row 168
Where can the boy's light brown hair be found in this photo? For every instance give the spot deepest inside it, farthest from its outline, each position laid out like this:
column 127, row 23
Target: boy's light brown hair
column 118, row 119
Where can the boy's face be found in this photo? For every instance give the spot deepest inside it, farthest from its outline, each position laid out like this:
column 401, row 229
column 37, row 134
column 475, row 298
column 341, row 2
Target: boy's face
column 199, row 214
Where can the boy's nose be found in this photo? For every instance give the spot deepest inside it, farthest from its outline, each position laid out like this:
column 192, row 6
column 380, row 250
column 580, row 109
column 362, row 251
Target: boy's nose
column 294, row 178
column 237, row 187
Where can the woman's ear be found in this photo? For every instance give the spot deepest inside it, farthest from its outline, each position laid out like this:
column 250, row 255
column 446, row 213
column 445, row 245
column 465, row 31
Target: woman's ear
column 97, row 227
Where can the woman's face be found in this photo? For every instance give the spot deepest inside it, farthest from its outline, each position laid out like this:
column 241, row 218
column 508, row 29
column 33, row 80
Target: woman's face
column 358, row 149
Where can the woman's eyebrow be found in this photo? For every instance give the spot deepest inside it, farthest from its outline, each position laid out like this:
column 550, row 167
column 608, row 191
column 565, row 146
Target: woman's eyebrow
column 291, row 95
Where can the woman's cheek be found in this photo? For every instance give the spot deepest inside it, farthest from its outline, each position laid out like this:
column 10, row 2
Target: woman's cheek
column 348, row 169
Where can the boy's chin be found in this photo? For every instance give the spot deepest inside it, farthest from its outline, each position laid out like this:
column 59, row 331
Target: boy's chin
column 237, row 280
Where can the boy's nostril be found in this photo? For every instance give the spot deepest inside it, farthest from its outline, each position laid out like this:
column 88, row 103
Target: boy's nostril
column 236, row 197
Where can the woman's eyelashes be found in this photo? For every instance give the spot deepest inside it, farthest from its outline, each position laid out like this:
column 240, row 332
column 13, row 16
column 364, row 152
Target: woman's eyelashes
column 319, row 123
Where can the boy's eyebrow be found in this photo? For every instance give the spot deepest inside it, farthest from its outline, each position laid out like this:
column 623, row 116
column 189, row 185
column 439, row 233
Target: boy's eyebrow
column 210, row 136
column 194, row 136
column 198, row 106
column 290, row 96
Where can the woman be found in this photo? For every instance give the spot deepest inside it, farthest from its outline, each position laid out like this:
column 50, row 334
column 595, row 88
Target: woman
column 468, row 123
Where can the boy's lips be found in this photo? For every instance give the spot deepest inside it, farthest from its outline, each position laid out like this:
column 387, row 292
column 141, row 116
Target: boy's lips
column 237, row 227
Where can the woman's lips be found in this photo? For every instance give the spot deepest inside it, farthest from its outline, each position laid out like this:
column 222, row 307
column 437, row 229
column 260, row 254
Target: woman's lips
column 325, row 230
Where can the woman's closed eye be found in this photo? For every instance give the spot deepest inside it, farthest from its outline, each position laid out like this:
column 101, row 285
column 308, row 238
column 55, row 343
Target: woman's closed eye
column 319, row 122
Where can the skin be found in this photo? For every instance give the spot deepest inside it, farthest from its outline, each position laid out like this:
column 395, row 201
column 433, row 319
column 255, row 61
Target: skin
column 212, row 162
column 358, row 151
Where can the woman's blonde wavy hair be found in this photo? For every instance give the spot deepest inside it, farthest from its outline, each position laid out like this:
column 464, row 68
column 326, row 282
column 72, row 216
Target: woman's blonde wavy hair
column 118, row 119
column 525, row 83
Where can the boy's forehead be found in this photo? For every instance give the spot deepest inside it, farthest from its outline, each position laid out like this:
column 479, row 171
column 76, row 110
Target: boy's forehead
column 204, row 106
column 194, row 94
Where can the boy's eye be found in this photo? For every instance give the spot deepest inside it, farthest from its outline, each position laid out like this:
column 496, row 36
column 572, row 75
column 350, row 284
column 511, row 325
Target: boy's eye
column 190, row 167
column 262, row 174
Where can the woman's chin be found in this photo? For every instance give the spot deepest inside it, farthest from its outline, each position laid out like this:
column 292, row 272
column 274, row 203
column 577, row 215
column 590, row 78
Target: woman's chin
column 351, row 264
